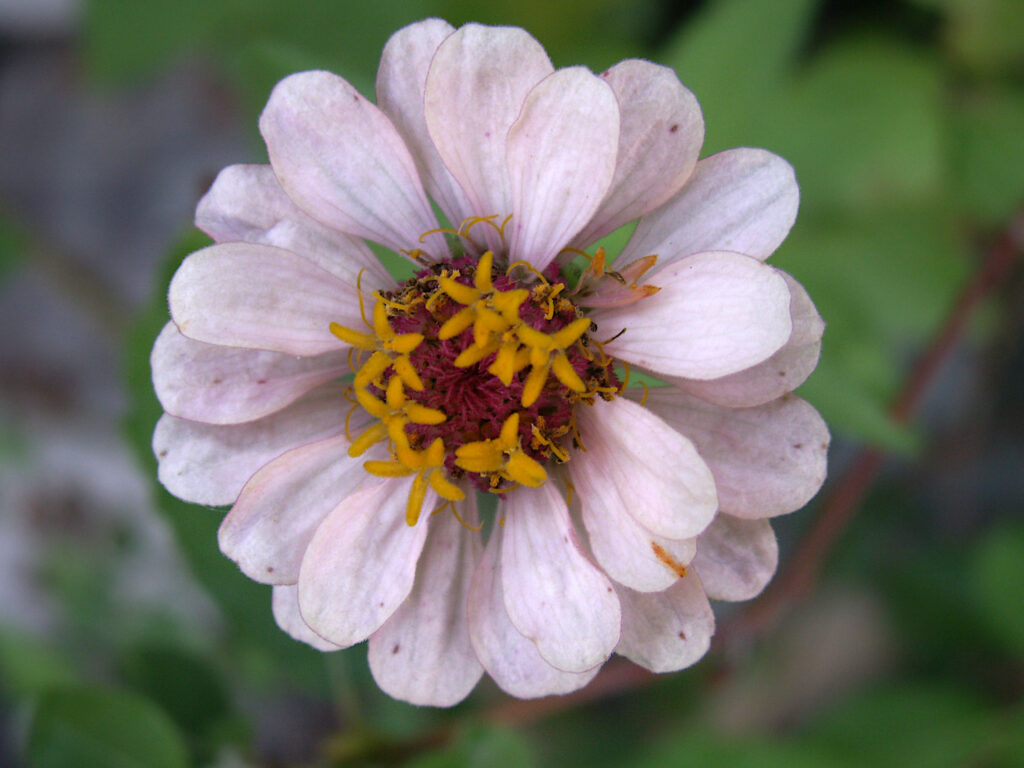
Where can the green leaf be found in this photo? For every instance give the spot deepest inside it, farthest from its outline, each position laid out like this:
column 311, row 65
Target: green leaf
column 924, row 727
column 736, row 57
column 101, row 729
column 183, row 684
column 28, row 665
column 481, row 747
column 989, row 154
column 863, row 127
column 997, row 583
column 697, row 749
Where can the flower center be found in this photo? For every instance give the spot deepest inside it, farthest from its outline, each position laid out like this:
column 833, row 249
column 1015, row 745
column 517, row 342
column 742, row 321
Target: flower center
column 475, row 374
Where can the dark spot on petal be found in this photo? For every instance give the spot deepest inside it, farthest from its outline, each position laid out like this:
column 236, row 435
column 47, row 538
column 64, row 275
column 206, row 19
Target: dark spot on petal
column 782, row 374
column 217, row 381
column 798, row 446
column 682, row 635
column 162, row 454
column 382, row 605
column 674, row 128
column 609, row 589
column 270, row 569
column 261, row 381
column 394, row 650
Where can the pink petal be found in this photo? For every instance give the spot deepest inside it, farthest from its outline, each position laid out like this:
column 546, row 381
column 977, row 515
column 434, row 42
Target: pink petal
column 637, row 463
column 561, row 161
column 230, row 385
column 554, row 596
column 279, row 509
column 475, row 89
column 246, row 203
column 257, row 296
column 628, row 552
column 508, row 657
column 660, row 136
column 423, row 654
column 736, row 558
column 783, row 372
column 767, row 460
column 285, row 604
column 666, row 631
column 742, row 200
column 361, row 563
column 401, row 82
column 342, row 161
column 716, row 314
column 209, row 464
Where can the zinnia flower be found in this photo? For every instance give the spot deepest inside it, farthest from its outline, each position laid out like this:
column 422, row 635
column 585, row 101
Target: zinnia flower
column 352, row 419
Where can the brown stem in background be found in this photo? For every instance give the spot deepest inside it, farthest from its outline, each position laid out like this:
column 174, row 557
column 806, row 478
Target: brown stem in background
column 801, row 574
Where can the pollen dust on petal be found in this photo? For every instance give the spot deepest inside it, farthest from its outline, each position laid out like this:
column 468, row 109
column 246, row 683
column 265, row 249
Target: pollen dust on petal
column 662, row 554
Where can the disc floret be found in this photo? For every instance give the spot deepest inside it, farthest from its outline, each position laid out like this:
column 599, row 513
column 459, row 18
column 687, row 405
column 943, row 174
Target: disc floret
column 474, row 373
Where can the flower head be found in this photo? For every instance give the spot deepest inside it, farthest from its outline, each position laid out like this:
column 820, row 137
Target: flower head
column 352, row 419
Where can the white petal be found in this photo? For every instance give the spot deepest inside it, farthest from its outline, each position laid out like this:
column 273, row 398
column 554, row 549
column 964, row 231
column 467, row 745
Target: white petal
column 553, row 594
column 636, row 462
column 209, row 463
column 716, row 313
column 666, row 631
column 246, row 203
column 767, row 460
column 342, row 161
column 361, row 563
column 279, row 509
column 561, row 161
column 736, row 558
column 783, row 372
column 423, row 654
column 401, row 82
column 230, row 385
column 257, row 296
column 627, row 551
column 742, row 200
column 660, row 136
column 476, row 87
column 285, row 603
column 508, row 657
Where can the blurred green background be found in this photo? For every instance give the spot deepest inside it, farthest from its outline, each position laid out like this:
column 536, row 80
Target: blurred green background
column 127, row 640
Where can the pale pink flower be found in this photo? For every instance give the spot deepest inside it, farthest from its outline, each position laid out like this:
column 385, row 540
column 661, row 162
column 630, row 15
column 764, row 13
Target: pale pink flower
column 621, row 511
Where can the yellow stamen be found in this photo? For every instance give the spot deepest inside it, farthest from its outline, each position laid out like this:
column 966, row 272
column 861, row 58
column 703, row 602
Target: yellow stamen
column 525, row 471
column 463, row 294
column 482, row 280
column 457, row 323
column 562, row 368
column 387, row 468
column 355, row 338
column 370, row 436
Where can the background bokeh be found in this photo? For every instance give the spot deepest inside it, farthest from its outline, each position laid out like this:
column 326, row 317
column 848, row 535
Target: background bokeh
column 127, row 640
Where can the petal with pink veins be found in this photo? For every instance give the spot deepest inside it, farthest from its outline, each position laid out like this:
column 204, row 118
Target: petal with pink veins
column 660, row 137
column 342, row 161
column 261, row 297
column 279, row 509
column 736, row 558
column 561, row 161
column 783, row 372
column 401, row 83
column 554, row 595
column 231, row 385
column 361, row 563
column 422, row 654
column 209, row 463
column 285, row 605
column 509, row 658
column 742, row 200
column 666, row 631
column 637, row 463
column 246, row 203
column 768, row 460
column 476, row 86
column 716, row 313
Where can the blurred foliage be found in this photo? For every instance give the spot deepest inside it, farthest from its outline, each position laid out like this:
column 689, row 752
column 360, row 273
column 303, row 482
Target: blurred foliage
column 907, row 141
